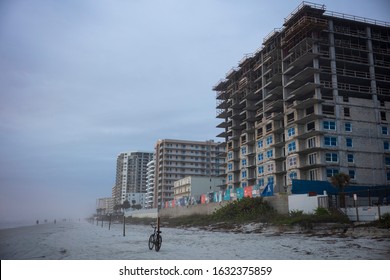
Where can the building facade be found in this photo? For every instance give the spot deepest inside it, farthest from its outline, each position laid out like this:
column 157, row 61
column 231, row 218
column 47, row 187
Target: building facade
column 312, row 102
column 150, row 183
column 131, row 170
column 191, row 187
column 104, row 206
column 176, row 159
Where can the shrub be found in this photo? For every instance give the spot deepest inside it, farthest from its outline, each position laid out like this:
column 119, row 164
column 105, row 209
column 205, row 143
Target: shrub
column 320, row 211
column 244, row 209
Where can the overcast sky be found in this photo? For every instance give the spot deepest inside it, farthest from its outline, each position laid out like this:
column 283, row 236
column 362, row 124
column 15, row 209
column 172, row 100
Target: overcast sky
column 82, row 81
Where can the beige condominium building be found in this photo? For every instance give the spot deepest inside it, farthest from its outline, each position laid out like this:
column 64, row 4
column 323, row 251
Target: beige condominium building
column 312, row 102
column 176, row 159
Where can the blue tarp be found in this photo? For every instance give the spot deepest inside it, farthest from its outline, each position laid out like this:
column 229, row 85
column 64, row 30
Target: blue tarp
column 318, row 187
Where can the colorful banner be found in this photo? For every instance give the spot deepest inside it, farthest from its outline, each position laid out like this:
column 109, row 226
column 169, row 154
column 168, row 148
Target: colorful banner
column 248, row 191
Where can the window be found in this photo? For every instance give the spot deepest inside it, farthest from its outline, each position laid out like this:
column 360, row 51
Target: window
column 290, row 117
column 268, row 127
column 385, row 131
column 349, row 142
column 345, row 99
column 261, row 182
column 309, row 111
column 330, row 125
column 260, row 169
column 230, row 166
column 330, row 141
column 293, row 175
column 270, row 153
column 351, row 174
column 331, row 157
column 230, row 177
column 292, row 161
column 260, row 132
column 312, row 158
column 243, row 150
column 331, row 172
column 260, row 157
column 243, row 174
column 387, row 161
column 260, row 144
column 243, row 162
column 310, row 126
column 269, row 140
column 328, row 110
column 270, row 167
column 230, row 155
column 350, row 158
column 271, row 179
column 291, row 146
column 291, row 131
column 311, row 142
column 386, row 146
column 313, row 174
column 348, row 127
column 244, row 184
column 383, row 116
column 347, row 112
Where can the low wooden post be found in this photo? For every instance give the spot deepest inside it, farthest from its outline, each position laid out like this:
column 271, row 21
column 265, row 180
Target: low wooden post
column 109, row 222
column 124, row 225
column 158, row 223
column 379, row 211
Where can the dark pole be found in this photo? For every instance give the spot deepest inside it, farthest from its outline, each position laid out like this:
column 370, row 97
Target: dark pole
column 369, row 197
column 124, row 224
column 109, row 223
column 356, row 206
column 102, row 221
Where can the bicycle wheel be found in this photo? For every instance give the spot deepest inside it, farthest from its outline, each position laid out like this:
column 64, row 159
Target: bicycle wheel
column 157, row 243
column 151, row 242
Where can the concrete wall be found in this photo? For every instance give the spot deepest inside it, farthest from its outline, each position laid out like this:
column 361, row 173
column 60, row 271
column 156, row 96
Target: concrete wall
column 303, row 202
column 278, row 202
column 143, row 213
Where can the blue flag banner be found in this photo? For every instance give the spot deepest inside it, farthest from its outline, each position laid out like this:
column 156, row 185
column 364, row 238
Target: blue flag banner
column 268, row 190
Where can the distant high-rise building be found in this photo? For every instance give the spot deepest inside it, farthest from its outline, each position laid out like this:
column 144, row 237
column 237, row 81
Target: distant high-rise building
column 314, row 101
column 131, row 173
column 150, row 183
column 176, row 159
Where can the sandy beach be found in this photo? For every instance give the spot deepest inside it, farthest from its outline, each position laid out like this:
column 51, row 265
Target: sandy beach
column 85, row 241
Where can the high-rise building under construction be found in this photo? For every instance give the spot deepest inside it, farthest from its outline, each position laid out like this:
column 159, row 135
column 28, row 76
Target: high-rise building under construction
column 312, row 102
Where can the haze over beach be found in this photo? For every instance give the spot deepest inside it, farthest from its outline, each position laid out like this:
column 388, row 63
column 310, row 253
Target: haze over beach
column 83, row 81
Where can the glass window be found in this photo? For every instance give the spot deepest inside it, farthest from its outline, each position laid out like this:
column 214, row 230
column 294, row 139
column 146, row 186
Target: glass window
column 230, row 167
column 243, row 174
column 269, row 140
column 330, row 141
column 386, row 146
column 260, row 169
column 260, row 157
column 261, row 182
column 293, row 175
column 331, row 172
column 348, row 127
column 230, row 155
column 291, row 146
column 350, row 158
column 330, row 125
column 270, row 153
column 270, row 167
column 243, row 150
column 243, row 162
column 387, row 161
column 230, row 177
column 351, row 174
column 311, row 142
column 349, row 142
column 291, row 131
column 313, row 158
column 388, row 176
column 385, row 131
column 260, row 144
column 292, row 161
column 331, row 157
